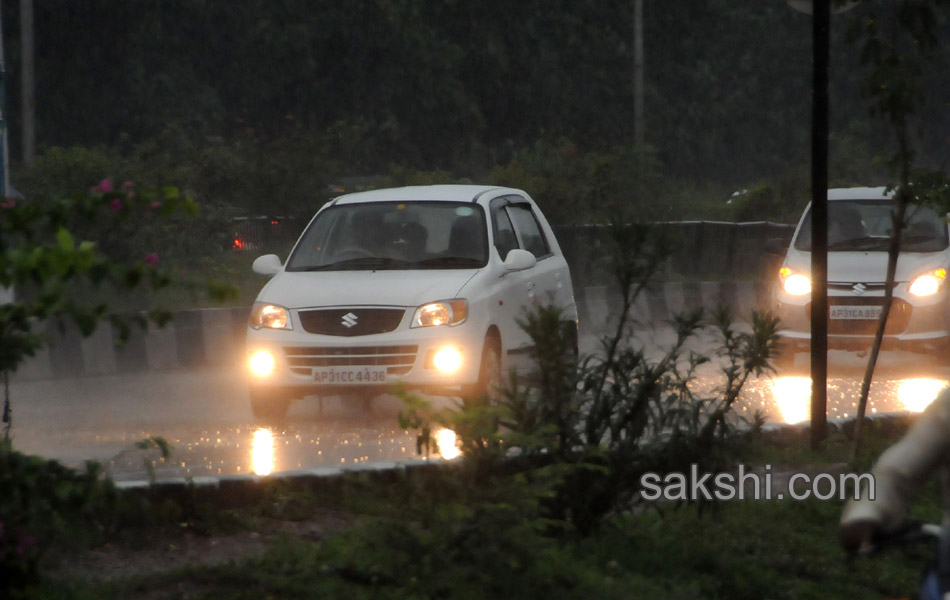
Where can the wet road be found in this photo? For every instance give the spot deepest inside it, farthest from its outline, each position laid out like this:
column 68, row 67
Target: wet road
column 902, row 382
column 206, row 418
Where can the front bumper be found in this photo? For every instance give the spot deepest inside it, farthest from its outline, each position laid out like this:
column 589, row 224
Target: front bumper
column 321, row 364
column 914, row 324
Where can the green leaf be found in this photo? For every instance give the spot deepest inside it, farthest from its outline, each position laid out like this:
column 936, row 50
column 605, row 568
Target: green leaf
column 65, row 239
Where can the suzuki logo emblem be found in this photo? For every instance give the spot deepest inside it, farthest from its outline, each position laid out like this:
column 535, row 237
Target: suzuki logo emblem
column 858, row 289
column 349, row 320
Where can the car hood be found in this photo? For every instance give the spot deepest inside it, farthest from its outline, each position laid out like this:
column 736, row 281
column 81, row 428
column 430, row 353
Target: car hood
column 362, row 288
column 871, row 267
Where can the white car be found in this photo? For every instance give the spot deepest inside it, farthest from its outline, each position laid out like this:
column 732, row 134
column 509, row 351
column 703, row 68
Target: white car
column 420, row 286
column 859, row 230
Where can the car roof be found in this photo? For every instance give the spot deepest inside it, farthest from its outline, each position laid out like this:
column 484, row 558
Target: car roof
column 429, row 193
column 860, row 193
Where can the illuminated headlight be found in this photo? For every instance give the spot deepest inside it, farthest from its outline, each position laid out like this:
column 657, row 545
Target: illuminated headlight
column 445, row 312
column 447, row 360
column 928, row 284
column 270, row 316
column 794, row 283
column 262, row 363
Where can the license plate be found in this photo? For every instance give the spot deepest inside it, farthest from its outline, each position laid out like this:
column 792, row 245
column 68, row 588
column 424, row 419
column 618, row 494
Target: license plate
column 855, row 312
column 350, row 375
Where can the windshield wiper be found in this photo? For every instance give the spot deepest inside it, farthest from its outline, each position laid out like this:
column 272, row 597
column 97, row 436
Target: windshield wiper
column 441, row 262
column 363, row 263
column 922, row 243
column 864, row 243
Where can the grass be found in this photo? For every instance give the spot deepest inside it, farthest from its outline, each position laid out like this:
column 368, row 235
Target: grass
column 740, row 550
column 429, row 534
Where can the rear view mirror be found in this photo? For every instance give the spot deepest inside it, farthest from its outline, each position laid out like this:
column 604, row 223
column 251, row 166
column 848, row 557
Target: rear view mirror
column 269, row 264
column 519, row 260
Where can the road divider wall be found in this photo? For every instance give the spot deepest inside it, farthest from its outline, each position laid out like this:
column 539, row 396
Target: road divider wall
column 214, row 337
column 597, row 306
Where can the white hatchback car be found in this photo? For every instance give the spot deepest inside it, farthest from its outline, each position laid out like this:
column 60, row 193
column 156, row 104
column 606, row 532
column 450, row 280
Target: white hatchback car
column 420, row 286
column 859, row 229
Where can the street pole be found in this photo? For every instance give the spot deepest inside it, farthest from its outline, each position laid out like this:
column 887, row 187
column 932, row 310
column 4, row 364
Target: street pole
column 28, row 87
column 821, row 33
column 638, row 134
column 4, row 163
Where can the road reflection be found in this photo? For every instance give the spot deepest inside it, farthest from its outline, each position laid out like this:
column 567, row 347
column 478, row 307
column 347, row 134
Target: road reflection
column 793, row 397
column 262, row 452
column 206, row 419
column 788, row 399
column 917, row 394
column 447, row 442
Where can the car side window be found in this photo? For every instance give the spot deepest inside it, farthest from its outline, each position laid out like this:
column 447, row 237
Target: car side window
column 529, row 231
column 504, row 232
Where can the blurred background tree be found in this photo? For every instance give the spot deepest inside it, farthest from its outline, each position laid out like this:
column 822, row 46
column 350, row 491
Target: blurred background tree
column 264, row 105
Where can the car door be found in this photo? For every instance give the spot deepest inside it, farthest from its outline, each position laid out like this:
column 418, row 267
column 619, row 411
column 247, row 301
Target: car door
column 514, row 293
column 545, row 282
column 516, row 224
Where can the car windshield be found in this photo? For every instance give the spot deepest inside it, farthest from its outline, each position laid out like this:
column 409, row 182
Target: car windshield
column 393, row 236
column 861, row 225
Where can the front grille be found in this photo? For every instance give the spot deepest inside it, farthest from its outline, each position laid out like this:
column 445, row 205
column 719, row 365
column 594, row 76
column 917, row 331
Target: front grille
column 351, row 322
column 849, row 287
column 897, row 320
column 398, row 360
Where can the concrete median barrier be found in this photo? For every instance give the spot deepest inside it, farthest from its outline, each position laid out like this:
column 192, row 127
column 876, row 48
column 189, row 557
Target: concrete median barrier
column 214, row 337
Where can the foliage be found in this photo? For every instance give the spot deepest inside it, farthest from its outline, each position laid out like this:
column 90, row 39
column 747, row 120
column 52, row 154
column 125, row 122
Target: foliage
column 428, row 532
column 40, row 500
column 155, row 442
column 47, row 258
column 586, row 435
column 572, row 184
column 53, row 253
column 769, row 201
column 895, row 39
column 263, row 106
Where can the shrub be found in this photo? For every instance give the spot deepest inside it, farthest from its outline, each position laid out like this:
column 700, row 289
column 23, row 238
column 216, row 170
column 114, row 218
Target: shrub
column 583, row 436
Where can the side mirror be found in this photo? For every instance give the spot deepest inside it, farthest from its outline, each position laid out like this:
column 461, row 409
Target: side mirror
column 519, row 260
column 269, row 264
column 776, row 246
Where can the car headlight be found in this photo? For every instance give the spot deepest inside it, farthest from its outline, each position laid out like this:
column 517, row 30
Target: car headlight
column 445, row 312
column 447, row 360
column 927, row 284
column 262, row 363
column 270, row 316
column 794, row 283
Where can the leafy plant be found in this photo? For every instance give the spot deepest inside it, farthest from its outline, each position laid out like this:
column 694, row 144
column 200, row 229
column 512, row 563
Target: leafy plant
column 583, row 435
column 55, row 254
column 41, row 499
column 895, row 38
column 154, row 442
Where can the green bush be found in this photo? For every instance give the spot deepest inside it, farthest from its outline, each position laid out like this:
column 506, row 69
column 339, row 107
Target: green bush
column 580, row 437
column 42, row 499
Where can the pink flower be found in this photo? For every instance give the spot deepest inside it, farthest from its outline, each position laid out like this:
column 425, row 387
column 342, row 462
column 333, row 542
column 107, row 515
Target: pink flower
column 10, row 203
column 129, row 188
column 155, row 204
column 115, row 205
column 104, row 186
column 151, row 259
